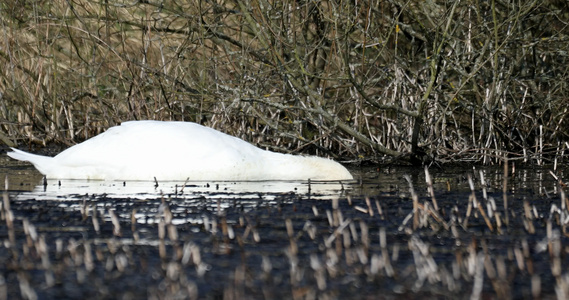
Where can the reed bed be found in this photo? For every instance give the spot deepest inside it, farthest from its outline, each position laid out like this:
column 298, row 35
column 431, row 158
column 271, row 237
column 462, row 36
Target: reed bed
column 497, row 238
column 369, row 80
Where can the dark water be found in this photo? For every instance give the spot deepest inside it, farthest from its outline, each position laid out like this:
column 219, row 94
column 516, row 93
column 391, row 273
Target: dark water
column 231, row 240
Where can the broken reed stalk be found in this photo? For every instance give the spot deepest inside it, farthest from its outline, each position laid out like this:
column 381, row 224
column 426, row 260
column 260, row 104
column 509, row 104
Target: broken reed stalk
column 6, row 204
column 7, row 213
column 133, row 220
column 419, row 208
column 84, row 214
column 94, row 218
column 563, row 213
column 477, row 204
column 384, row 253
column 433, row 214
column 483, row 185
column 430, row 188
column 505, row 191
column 292, row 242
column 415, row 211
column 540, row 149
column 415, row 199
column 370, row 209
column 115, row 222
column 379, row 209
column 528, row 219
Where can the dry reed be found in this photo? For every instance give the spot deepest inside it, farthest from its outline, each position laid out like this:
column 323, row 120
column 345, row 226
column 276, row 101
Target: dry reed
column 470, row 82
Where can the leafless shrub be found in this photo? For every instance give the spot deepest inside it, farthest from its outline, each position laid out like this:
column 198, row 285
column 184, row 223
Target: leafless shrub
column 445, row 80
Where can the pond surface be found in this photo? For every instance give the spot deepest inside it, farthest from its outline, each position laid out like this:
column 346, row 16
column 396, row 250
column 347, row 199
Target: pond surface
column 375, row 237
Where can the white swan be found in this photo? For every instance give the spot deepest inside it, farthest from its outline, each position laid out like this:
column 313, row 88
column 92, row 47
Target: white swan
column 143, row 150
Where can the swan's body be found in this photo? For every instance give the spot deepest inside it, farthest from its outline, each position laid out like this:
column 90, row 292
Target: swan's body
column 144, row 150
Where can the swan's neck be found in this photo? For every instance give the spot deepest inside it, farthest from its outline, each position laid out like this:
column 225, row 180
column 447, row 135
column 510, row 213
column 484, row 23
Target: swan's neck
column 288, row 167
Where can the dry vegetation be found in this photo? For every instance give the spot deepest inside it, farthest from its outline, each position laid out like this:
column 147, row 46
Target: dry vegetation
column 449, row 80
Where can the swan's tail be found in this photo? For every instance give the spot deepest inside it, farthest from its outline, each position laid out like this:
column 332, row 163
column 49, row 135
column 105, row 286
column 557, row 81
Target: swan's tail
column 42, row 163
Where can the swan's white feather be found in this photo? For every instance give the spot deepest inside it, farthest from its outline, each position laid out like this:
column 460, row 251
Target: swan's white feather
column 142, row 150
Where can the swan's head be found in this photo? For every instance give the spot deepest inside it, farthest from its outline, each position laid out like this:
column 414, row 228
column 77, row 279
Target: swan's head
column 327, row 169
column 312, row 167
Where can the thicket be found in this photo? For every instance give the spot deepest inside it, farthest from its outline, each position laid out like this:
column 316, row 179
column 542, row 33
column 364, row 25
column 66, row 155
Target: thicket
column 413, row 80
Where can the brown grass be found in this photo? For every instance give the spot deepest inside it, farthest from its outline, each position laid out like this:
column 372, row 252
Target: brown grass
column 469, row 81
